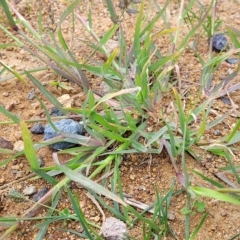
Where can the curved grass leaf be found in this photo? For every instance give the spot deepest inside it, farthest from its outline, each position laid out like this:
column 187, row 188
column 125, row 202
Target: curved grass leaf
column 79, row 213
column 88, row 183
column 16, row 74
column 9, row 15
column 193, row 235
column 13, row 117
column 205, row 192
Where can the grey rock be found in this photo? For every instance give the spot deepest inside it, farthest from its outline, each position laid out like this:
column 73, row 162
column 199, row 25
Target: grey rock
column 217, row 132
column 64, row 125
column 31, row 95
column 232, row 60
column 37, row 128
column 55, row 112
column 5, row 143
column 226, row 100
column 104, row 88
column 40, row 194
column 219, row 42
column 114, row 229
column 28, row 191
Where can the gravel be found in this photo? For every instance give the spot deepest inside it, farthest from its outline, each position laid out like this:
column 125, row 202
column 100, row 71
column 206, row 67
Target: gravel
column 64, row 125
column 37, row 128
column 55, row 112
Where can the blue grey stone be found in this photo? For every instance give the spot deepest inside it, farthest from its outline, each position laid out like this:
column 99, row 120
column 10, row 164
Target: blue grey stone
column 232, row 60
column 219, row 42
column 55, row 112
column 64, row 125
column 31, row 95
column 226, row 100
column 37, row 128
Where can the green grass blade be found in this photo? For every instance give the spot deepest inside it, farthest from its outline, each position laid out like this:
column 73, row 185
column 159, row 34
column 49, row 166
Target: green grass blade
column 233, row 132
column 137, row 48
column 108, row 134
column 16, row 74
column 205, row 192
column 46, row 176
column 13, row 117
column 78, row 211
column 88, row 183
column 68, row 10
column 28, row 146
column 235, row 236
column 111, row 10
column 45, row 227
column 193, row 235
column 229, row 155
column 9, row 15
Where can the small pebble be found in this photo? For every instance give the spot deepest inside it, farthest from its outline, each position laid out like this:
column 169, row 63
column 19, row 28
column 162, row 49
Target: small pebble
column 40, row 194
column 18, row 145
column 232, row 60
column 219, row 42
column 55, row 112
column 41, row 162
column 66, row 100
column 5, row 94
column 230, row 71
column 217, row 132
column 28, row 191
column 31, row 95
column 225, row 100
column 140, row 188
column 5, row 143
column 131, row 177
column 223, row 213
column 10, row 105
column 171, row 215
column 37, row 128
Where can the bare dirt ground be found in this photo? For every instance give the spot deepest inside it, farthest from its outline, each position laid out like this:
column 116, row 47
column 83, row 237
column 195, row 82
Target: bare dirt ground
column 139, row 173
